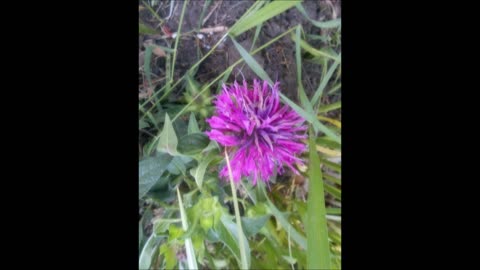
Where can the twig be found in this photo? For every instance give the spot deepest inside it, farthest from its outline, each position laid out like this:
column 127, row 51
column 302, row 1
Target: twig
column 211, row 12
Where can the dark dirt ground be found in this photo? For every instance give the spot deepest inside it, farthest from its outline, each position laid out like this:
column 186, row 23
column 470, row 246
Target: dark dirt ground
column 278, row 60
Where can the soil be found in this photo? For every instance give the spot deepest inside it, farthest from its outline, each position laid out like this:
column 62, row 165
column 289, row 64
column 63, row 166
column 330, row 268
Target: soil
column 278, row 60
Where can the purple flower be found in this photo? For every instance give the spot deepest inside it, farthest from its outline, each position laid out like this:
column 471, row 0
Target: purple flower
column 261, row 133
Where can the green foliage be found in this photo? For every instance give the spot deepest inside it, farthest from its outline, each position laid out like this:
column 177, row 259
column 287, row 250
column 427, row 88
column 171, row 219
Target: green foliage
column 188, row 219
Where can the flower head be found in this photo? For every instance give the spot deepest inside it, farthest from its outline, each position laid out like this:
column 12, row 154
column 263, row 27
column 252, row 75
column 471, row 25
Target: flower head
column 261, row 133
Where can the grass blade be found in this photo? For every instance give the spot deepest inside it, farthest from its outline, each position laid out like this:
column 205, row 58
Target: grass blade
column 312, row 119
column 270, row 10
column 318, row 249
column 316, row 52
column 330, row 107
column 148, row 252
column 240, row 234
column 177, row 39
column 191, row 261
column 295, row 235
column 325, row 79
column 252, row 63
column 328, row 24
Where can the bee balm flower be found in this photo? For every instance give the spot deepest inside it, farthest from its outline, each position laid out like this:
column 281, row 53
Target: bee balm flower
column 259, row 132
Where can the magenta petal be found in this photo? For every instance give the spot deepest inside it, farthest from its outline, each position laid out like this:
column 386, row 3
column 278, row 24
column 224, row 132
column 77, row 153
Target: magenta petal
column 265, row 135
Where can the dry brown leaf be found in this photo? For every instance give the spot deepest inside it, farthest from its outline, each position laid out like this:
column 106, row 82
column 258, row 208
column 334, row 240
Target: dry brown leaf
column 158, row 51
column 214, row 29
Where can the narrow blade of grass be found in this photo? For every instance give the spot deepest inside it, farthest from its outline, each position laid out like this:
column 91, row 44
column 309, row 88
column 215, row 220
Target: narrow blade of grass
column 268, row 11
column 312, row 119
column 316, row 52
column 331, row 121
column 146, row 65
column 296, row 236
column 240, row 233
column 324, row 82
column 252, row 63
column 178, row 38
column 191, row 261
column 301, row 91
column 229, row 69
column 328, row 24
column 318, row 249
column 330, row 107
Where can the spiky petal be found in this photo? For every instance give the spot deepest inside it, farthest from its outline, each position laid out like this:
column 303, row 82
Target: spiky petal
column 260, row 133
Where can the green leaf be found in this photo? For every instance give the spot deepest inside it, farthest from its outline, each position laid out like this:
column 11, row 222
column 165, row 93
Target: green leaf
column 251, row 226
column 199, row 172
column 323, row 83
column 146, row 30
column 320, row 53
column 168, row 139
column 193, row 144
column 193, row 125
column 270, row 10
column 335, row 192
column 330, row 107
column 328, row 24
column 192, row 262
column 142, row 124
column 170, row 256
column 252, row 63
column 296, row 236
column 177, row 166
column 148, row 251
column 226, row 232
column 150, row 171
column 318, row 248
column 334, row 211
column 311, row 118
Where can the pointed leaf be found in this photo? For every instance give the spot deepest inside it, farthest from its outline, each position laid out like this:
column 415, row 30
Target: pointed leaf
column 193, row 125
column 168, row 139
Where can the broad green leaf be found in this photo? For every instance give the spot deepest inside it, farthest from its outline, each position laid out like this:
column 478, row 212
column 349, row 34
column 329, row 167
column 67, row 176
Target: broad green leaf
column 328, row 24
column 252, row 225
column 193, row 144
column 268, row 11
column 168, row 139
column 199, row 172
column 193, row 125
column 318, row 248
column 252, row 63
column 148, row 252
column 177, row 166
column 150, row 171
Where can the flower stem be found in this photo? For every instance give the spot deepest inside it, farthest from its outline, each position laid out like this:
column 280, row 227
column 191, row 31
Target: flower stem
column 237, row 216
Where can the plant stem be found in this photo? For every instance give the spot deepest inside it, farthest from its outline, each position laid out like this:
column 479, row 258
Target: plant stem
column 237, row 215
